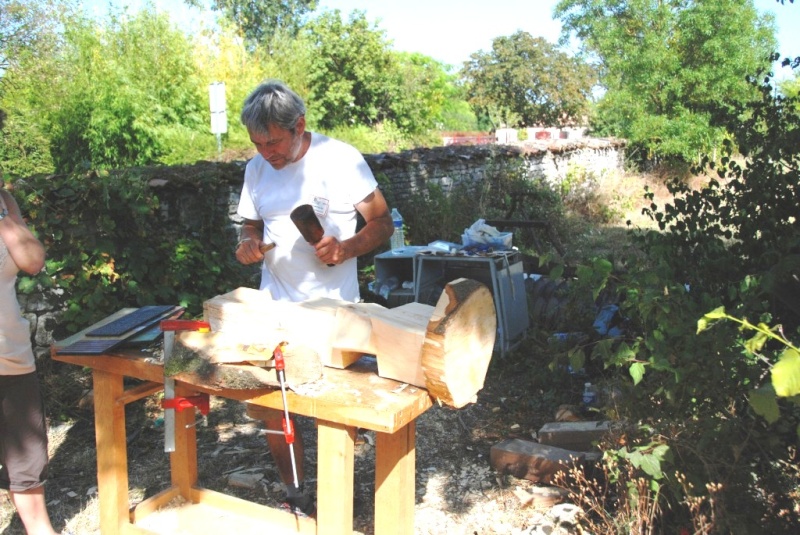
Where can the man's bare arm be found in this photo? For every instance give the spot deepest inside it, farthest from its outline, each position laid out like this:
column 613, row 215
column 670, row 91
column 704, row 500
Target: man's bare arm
column 377, row 229
column 248, row 249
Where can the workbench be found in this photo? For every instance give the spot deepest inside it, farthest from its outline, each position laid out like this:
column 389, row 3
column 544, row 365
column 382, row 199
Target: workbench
column 358, row 398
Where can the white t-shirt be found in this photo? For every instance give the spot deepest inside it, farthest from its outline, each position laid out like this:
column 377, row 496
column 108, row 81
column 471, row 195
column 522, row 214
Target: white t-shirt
column 332, row 177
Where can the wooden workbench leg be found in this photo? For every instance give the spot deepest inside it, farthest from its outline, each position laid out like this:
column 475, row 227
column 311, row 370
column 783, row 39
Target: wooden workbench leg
column 112, row 454
column 395, row 465
column 335, row 454
column 183, row 461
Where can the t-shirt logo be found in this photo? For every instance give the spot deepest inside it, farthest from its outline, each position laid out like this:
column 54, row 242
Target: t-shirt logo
column 320, row 205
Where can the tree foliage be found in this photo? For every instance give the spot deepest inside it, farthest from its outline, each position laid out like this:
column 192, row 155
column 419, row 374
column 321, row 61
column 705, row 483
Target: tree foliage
column 260, row 21
column 132, row 88
column 347, row 79
column 665, row 65
column 526, row 81
column 116, row 240
column 129, row 86
column 729, row 250
column 26, row 28
column 30, row 38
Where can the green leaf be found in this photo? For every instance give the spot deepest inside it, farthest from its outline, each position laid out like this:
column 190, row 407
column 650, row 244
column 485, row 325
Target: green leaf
column 577, row 358
column 651, row 466
column 756, row 343
column 716, row 314
column 709, row 318
column 557, row 271
column 786, row 374
column 603, row 266
column 637, row 372
column 765, row 404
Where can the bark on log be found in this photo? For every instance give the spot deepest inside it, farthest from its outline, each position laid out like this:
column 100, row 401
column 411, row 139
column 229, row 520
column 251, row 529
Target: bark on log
column 222, row 361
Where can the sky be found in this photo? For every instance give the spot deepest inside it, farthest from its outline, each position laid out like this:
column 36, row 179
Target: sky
column 451, row 31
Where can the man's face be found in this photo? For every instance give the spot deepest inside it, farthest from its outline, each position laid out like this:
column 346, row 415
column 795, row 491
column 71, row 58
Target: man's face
column 280, row 147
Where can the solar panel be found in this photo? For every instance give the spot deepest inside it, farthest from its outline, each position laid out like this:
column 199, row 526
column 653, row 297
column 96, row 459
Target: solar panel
column 88, row 347
column 137, row 318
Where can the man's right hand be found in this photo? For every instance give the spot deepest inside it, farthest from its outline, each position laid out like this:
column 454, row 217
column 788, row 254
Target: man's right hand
column 249, row 250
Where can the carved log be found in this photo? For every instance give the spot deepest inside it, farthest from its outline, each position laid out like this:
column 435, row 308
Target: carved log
column 446, row 349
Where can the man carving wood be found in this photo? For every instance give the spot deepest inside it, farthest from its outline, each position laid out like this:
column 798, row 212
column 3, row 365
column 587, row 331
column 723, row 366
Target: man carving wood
column 294, row 167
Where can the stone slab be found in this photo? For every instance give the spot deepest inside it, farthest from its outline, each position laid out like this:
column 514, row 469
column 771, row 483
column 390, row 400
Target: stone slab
column 574, row 436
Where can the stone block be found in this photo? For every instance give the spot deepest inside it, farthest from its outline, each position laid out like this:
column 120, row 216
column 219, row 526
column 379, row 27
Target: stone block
column 524, row 459
column 574, row 436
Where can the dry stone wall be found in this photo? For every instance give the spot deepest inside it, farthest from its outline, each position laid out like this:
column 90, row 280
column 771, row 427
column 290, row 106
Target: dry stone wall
column 545, row 160
column 402, row 173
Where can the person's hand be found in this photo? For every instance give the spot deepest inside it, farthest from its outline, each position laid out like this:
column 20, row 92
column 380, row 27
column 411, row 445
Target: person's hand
column 331, row 251
column 251, row 250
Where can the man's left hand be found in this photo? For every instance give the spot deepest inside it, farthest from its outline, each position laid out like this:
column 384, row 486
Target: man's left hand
column 331, row 251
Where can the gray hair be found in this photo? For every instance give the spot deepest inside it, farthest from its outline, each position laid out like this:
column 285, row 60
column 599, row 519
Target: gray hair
column 272, row 102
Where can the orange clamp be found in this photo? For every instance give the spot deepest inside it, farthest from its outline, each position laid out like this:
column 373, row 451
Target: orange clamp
column 200, row 401
column 185, row 325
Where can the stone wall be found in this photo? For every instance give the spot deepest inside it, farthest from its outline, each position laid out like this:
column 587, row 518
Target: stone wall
column 402, row 173
column 546, row 160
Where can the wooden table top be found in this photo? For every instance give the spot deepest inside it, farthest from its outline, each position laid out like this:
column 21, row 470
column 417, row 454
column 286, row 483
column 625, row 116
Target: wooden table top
column 355, row 396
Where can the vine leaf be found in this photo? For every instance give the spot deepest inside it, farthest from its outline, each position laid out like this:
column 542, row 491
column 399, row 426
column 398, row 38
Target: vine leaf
column 706, row 321
column 786, row 374
column 765, row 404
column 637, row 372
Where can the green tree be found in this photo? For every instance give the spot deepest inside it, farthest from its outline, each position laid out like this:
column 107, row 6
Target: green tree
column 352, row 78
column 26, row 28
column 130, row 91
column 424, row 89
column 664, row 65
column 525, row 81
column 791, row 87
column 260, row 21
column 29, row 41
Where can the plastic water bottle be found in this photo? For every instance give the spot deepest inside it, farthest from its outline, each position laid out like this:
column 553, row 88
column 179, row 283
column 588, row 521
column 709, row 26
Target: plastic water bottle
column 391, row 284
column 398, row 240
column 589, row 395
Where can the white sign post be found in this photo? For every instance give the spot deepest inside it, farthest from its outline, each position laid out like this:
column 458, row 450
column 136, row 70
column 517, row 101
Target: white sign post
column 219, row 113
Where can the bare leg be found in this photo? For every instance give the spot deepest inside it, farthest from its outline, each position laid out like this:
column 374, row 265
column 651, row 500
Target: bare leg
column 31, row 508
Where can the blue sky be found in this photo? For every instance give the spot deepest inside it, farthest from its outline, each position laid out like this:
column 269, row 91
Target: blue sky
column 450, row 31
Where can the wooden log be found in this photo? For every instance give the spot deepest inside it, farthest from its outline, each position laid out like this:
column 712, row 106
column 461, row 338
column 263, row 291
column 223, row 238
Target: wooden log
column 445, row 349
column 253, row 317
column 352, row 336
column 459, row 342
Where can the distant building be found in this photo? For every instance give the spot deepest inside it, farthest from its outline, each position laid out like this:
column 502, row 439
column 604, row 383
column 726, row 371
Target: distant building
column 467, row 138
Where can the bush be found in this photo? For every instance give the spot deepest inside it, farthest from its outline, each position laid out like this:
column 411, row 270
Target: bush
column 114, row 241
column 727, row 444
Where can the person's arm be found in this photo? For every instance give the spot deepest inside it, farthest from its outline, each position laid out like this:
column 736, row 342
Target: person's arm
column 26, row 251
column 248, row 249
column 377, row 229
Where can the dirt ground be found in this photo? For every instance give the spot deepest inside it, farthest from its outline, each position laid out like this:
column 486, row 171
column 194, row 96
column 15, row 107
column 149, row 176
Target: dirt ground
column 457, row 491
